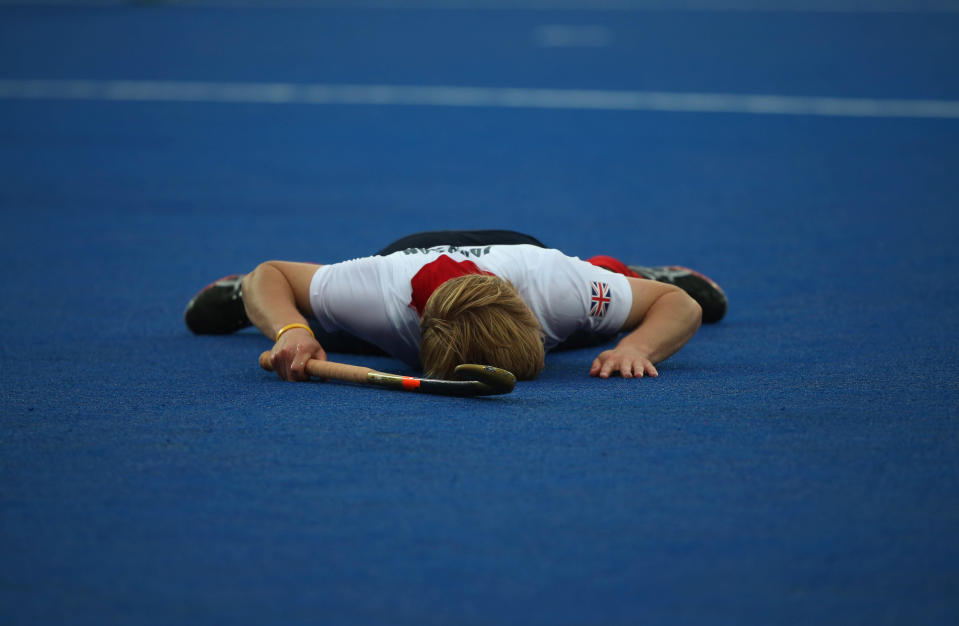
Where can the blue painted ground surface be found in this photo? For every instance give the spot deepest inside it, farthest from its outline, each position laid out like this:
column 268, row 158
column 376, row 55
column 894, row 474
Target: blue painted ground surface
column 796, row 463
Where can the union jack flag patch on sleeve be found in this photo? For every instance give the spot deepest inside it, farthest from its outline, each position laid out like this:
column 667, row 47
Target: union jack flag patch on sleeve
column 600, row 299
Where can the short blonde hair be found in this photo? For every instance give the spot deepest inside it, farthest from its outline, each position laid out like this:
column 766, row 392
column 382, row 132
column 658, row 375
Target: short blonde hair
column 481, row 319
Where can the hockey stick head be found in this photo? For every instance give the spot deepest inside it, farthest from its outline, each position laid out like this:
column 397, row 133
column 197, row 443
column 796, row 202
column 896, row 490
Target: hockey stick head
column 490, row 380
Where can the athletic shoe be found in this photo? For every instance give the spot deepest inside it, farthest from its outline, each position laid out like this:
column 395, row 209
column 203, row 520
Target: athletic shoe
column 218, row 308
column 707, row 293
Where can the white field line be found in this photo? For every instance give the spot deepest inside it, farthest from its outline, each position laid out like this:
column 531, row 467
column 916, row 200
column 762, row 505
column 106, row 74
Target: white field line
column 493, row 97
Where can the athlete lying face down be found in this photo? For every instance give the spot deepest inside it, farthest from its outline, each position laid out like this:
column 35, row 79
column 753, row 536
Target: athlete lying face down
column 440, row 299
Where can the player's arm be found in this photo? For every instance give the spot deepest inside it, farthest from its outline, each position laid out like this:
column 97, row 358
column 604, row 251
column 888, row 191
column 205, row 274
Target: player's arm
column 276, row 294
column 662, row 319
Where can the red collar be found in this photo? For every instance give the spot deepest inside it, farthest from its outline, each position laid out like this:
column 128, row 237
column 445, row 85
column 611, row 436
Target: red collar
column 434, row 274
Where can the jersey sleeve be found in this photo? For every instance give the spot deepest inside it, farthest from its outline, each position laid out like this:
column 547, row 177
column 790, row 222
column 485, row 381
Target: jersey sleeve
column 568, row 294
column 359, row 297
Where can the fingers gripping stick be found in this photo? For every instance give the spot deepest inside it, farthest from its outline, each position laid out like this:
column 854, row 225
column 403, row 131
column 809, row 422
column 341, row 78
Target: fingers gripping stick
column 471, row 380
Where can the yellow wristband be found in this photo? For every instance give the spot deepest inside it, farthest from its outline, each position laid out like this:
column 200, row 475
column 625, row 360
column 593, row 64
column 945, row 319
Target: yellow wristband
column 291, row 327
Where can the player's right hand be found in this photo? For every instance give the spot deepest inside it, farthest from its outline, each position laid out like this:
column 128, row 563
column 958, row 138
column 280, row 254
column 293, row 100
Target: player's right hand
column 627, row 361
column 292, row 352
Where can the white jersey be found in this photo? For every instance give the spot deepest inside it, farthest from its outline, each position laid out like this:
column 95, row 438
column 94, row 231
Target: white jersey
column 371, row 297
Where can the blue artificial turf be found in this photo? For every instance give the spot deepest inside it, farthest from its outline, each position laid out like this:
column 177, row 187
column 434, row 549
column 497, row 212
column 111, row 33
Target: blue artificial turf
column 796, row 463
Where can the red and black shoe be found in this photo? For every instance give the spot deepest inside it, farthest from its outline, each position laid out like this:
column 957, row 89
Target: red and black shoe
column 703, row 290
column 218, row 308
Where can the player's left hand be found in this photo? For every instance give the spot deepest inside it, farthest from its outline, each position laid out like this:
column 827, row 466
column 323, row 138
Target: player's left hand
column 627, row 361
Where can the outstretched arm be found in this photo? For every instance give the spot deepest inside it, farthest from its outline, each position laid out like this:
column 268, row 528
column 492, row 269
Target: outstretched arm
column 276, row 294
column 662, row 319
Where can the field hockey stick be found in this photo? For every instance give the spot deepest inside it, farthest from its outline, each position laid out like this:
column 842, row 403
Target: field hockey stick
column 471, row 380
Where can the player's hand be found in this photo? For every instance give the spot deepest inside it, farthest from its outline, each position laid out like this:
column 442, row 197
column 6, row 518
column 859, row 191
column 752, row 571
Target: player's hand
column 628, row 362
column 291, row 353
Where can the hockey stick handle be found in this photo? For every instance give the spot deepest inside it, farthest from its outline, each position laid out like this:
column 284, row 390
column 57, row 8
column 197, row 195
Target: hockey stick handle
column 327, row 369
